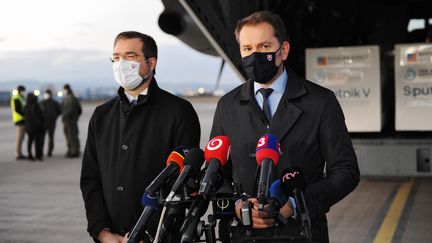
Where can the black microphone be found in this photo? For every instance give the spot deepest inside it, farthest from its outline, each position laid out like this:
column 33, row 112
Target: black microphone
column 150, row 205
column 267, row 156
column 192, row 165
column 174, row 164
column 189, row 227
column 216, row 154
column 293, row 184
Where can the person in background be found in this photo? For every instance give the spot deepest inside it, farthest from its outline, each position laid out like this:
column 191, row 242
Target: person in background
column 71, row 110
column 50, row 110
column 34, row 127
column 17, row 106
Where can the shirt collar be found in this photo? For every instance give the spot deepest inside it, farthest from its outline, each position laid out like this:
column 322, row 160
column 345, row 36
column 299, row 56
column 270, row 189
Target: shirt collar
column 130, row 97
column 278, row 85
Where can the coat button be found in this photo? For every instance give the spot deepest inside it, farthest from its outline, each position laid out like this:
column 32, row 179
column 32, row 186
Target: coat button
column 119, row 188
column 124, row 147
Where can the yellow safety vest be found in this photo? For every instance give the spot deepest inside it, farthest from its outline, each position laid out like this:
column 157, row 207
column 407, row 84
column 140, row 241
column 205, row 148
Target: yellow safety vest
column 16, row 117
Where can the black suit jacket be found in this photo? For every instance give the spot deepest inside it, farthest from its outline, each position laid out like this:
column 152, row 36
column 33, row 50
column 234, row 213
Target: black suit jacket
column 310, row 126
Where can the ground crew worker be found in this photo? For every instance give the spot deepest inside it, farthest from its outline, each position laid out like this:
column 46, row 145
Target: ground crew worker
column 71, row 110
column 17, row 105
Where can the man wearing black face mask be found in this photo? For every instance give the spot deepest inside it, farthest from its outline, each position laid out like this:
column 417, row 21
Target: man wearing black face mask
column 306, row 118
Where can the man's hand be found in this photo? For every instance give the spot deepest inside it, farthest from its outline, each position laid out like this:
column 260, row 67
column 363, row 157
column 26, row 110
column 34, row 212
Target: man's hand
column 261, row 218
column 126, row 238
column 287, row 210
column 105, row 236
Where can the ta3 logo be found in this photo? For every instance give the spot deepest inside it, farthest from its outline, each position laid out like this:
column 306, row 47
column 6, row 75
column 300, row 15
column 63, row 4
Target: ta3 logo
column 262, row 142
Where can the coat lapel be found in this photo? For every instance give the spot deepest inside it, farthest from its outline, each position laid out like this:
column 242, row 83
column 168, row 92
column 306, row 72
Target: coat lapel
column 246, row 97
column 287, row 112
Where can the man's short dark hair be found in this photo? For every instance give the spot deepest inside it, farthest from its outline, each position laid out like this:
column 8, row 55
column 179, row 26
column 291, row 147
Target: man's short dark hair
column 149, row 45
column 264, row 17
column 20, row 88
column 68, row 88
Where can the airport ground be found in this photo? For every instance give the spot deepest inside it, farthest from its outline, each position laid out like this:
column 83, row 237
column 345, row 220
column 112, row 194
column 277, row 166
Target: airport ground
column 41, row 201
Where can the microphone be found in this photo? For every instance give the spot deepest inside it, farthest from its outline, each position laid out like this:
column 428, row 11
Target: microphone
column 189, row 227
column 174, row 164
column 277, row 198
column 216, row 154
column 267, row 156
column 293, row 184
column 192, row 165
column 150, row 205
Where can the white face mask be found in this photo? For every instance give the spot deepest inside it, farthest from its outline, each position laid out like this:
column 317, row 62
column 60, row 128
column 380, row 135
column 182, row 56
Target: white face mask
column 126, row 73
column 46, row 96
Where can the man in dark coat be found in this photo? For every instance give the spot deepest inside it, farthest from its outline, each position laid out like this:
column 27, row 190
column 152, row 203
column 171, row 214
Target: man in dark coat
column 71, row 110
column 51, row 110
column 34, row 127
column 306, row 118
column 129, row 140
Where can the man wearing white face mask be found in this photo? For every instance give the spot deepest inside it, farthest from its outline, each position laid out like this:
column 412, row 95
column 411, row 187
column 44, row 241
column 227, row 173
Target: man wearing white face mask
column 129, row 139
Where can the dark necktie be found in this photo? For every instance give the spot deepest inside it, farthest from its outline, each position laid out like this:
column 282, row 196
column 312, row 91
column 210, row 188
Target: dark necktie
column 133, row 102
column 266, row 108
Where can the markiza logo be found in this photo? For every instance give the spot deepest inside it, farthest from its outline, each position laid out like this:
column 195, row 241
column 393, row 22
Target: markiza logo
column 222, row 203
column 214, row 144
column 289, row 175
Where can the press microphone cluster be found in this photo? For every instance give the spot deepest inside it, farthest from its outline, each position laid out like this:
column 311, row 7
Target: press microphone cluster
column 194, row 192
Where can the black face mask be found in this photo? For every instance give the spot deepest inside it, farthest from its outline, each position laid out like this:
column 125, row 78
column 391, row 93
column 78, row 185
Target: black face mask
column 260, row 67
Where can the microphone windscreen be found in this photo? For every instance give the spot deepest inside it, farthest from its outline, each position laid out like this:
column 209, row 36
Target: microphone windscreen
column 268, row 147
column 218, row 148
column 195, row 158
column 177, row 156
column 277, row 192
column 147, row 200
column 291, row 179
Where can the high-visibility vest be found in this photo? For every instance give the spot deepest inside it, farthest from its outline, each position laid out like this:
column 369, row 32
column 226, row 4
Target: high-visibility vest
column 16, row 117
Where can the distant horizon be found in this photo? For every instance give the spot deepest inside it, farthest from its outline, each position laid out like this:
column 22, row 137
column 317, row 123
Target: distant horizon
column 75, row 49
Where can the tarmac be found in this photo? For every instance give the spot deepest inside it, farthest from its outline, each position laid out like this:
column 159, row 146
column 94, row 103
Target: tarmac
column 41, row 201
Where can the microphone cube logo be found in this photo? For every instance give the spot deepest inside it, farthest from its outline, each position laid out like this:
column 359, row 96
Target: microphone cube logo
column 262, row 142
column 289, row 175
column 214, row 144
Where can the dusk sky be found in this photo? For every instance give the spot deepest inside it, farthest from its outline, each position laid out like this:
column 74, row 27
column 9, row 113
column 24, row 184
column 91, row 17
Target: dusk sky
column 48, row 41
